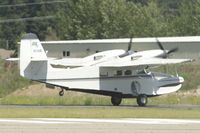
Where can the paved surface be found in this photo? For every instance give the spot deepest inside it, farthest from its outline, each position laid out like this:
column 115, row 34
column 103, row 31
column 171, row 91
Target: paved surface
column 47, row 125
column 122, row 106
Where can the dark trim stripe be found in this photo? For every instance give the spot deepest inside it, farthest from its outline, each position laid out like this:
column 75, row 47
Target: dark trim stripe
column 100, row 92
column 107, row 93
column 171, row 85
column 99, row 78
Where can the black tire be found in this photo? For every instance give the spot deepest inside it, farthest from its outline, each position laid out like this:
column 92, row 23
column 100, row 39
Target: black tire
column 116, row 100
column 61, row 93
column 142, row 100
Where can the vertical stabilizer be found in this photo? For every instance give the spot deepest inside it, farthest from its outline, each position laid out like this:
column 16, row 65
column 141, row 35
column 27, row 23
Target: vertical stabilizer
column 31, row 54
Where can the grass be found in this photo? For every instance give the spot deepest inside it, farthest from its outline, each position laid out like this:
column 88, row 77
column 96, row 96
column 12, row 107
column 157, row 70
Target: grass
column 189, row 71
column 10, row 79
column 65, row 100
column 89, row 99
column 98, row 113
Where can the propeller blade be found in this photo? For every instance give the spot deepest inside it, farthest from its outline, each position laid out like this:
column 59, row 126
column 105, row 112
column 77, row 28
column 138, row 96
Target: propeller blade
column 130, row 44
column 172, row 50
column 160, row 44
column 162, row 48
column 128, row 52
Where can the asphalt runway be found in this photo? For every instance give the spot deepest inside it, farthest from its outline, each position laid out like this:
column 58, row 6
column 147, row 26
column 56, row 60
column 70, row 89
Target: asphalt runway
column 108, row 106
column 71, row 125
column 55, row 125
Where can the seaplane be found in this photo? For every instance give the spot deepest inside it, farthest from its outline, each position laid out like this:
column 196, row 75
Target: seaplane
column 116, row 73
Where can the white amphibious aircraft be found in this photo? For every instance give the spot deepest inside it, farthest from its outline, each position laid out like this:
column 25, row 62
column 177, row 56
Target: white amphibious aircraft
column 116, row 73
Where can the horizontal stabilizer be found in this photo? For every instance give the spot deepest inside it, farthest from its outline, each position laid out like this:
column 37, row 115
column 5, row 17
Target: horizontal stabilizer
column 12, row 59
column 39, row 59
column 33, row 59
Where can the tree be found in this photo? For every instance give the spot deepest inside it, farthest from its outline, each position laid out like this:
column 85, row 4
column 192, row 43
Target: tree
column 80, row 20
column 14, row 9
column 187, row 22
column 109, row 19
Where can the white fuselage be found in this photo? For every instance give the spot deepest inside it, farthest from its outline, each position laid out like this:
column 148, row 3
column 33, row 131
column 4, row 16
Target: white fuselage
column 96, row 73
column 127, row 82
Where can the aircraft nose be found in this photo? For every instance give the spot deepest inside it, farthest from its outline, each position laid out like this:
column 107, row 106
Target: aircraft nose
column 181, row 79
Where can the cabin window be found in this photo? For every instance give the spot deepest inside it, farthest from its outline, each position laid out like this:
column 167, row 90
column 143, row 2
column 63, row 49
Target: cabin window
column 141, row 72
column 98, row 57
column 118, row 73
column 103, row 74
column 128, row 72
column 66, row 53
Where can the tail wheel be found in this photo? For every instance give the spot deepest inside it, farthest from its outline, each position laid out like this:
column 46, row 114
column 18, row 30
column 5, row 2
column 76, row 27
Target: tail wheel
column 142, row 100
column 61, row 93
column 116, row 100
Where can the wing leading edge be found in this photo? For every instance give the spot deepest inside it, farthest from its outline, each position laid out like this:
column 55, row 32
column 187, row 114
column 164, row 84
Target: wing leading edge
column 150, row 62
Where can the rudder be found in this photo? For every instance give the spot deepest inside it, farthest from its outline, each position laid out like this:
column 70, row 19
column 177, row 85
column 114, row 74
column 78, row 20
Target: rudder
column 31, row 52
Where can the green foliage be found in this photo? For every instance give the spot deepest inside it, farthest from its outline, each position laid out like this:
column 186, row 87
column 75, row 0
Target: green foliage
column 95, row 100
column 189, row 71
column 108, row 19
column 10, row 79
column 84, row 99
column 90, row 19
column 11, row 30
column 189, row 19
column 124, row 18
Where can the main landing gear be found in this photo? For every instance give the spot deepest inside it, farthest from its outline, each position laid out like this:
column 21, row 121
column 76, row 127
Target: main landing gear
column 116, row 100
column 142, row 100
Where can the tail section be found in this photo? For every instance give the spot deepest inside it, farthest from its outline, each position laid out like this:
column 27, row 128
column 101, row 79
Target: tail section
column 33, row 59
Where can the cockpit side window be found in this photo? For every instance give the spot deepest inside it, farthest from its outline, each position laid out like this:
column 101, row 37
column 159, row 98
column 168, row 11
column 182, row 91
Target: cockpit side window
column 118, row 73
column 128, row 72
column 144, row 71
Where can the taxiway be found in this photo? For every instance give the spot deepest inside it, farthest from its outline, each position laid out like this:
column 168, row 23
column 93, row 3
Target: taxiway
column 52, row 125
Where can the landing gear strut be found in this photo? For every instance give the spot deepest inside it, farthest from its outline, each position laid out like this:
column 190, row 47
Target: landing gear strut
column 116, row 100
column 142, row 100
column 61, row 93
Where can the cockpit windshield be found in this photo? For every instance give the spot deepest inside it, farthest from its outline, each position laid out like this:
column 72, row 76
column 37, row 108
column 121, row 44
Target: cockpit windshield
column 144, row 71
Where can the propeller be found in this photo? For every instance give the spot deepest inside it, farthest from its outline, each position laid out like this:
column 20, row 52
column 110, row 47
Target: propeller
column 166, row 52
column 128, row 51
column 172, row 50
column 129, row 45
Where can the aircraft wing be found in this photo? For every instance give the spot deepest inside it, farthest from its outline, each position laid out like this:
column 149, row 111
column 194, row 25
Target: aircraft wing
column 146, row 62
column 188, row 46
column 68, row 62
column 150, row 62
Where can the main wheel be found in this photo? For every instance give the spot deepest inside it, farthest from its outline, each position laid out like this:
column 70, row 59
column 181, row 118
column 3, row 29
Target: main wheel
column 142, row 100
column 116, row 100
